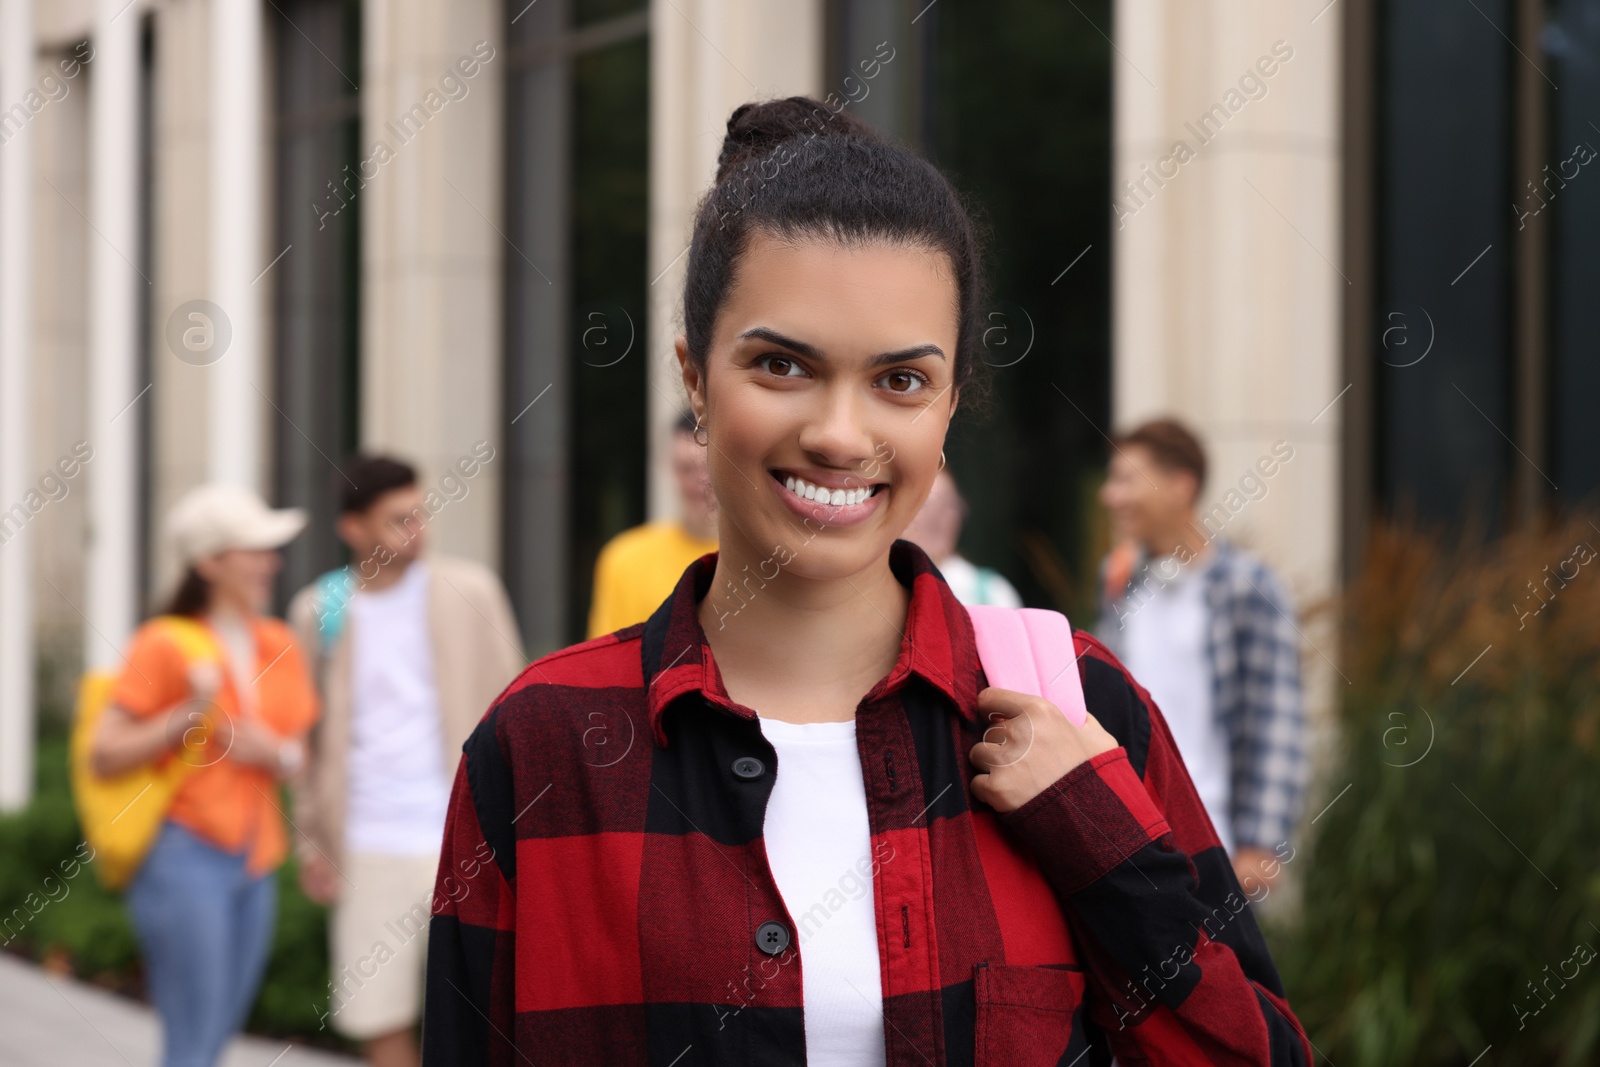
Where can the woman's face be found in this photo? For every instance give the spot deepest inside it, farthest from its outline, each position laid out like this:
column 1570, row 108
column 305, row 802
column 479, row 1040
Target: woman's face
column 829, row 379
column 241, row 578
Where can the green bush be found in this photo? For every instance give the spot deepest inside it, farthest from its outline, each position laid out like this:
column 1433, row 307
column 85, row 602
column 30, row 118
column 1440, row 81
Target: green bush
column 1460, row 870
column 72, row 922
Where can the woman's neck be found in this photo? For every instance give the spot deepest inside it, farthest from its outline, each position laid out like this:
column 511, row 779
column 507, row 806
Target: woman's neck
column 801, row 649
column 226, row 610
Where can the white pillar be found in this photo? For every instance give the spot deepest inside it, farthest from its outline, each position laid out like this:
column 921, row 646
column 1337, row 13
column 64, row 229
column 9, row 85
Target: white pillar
column 16, row 387
column 432, row 250
column 1227, row 281
column 706, row 58
column 115, row 289
column 236, row 246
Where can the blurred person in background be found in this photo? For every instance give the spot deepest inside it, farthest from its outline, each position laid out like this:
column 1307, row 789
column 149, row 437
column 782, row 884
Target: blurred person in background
column 1209, row 630
column 937, row 530
column 204, row 900
column 638, row 568
column 410, row 649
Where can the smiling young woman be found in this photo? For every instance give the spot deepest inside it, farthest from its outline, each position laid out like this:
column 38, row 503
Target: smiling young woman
column 785, row 820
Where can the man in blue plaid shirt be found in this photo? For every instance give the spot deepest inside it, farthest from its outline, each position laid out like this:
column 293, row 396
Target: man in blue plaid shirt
column 1210, row 632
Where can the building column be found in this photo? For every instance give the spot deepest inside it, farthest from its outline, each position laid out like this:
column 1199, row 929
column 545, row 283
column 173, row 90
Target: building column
column 1228, row 286
column 16, row 388
column 432, row 249
column 706, row 58
column 238, row 388
column 115, row 289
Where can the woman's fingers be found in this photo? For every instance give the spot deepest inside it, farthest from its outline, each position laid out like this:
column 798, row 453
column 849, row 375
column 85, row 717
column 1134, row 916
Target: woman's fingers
column 1027, row 744
column 1005, row 703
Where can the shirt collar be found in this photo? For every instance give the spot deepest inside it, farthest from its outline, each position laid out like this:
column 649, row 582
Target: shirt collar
column 938, row 644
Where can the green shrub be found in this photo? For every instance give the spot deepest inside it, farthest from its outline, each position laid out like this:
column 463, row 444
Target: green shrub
column 1460, row 870
column 75, row 923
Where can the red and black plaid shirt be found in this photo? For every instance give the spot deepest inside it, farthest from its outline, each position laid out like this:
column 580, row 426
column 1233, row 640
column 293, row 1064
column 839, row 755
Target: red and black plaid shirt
column 603, row 877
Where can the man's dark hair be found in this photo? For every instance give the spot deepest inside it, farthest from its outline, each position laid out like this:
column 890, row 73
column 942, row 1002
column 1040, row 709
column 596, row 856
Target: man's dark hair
column 1171, row 444
column 367, row 477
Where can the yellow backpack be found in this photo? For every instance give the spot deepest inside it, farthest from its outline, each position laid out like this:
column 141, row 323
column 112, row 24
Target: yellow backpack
column 122, row 814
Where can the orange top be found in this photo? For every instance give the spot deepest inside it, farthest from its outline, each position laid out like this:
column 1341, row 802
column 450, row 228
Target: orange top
column 230, row 804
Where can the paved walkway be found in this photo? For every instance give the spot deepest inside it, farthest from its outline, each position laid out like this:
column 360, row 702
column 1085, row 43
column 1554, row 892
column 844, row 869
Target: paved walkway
column 46, row 1021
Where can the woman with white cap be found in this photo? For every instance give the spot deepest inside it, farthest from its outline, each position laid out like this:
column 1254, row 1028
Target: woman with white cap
column 203, row 901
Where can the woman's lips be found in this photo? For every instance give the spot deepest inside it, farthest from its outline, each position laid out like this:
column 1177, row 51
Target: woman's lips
column 828, row 514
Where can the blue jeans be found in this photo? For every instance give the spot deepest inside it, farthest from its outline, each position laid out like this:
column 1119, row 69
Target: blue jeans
column 205, row 926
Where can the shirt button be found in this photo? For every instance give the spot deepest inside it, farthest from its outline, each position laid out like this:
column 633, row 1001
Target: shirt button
column 772, row 937
column 748, row 767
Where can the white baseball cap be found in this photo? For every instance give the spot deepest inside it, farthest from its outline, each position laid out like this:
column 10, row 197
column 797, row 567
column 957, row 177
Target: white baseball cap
column 214, row 518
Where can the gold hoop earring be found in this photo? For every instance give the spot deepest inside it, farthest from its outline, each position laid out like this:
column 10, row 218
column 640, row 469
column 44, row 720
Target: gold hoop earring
column 698, row 430
column 941, row 459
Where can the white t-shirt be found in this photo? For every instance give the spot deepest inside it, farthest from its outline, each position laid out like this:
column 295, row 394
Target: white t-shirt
column 819, row 846
column 971, row 587
column 398, row 790
column 1166, row 653
column 239, row 641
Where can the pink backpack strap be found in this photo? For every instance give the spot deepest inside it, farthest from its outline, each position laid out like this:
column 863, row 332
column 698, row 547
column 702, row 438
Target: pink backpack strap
column 1030, row 650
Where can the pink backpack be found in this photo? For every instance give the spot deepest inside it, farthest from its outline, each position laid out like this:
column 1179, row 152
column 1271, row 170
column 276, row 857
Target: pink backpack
column 1030, row 650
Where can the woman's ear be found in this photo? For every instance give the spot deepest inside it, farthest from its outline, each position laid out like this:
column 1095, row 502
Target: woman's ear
column 693, row 380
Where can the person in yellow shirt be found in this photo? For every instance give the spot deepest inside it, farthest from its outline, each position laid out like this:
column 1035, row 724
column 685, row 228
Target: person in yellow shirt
column 639, row 568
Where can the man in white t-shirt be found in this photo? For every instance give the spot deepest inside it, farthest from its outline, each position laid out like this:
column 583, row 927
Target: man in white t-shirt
column 1208, row 629
column 410, row 649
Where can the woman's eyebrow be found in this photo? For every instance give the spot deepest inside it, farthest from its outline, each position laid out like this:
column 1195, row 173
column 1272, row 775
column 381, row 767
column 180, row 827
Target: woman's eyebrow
column 914, row 352
column 771, row 336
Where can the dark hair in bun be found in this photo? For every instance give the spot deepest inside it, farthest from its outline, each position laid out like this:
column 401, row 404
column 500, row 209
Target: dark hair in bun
column 795, row 169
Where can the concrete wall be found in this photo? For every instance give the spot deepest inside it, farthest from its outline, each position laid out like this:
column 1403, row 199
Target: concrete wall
column 180, row 397
column 1227, row 288
column 60, row 347
column 431, row 253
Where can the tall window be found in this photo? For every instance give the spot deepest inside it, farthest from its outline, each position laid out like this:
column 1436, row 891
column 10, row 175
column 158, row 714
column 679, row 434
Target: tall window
column 1572, row 45
column 1030, row 466
column 1444, row 147
column 317, row 126
column 577, row 198
column 1484, row 243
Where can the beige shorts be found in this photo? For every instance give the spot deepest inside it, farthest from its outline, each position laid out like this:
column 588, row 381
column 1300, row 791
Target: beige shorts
column 378, row 939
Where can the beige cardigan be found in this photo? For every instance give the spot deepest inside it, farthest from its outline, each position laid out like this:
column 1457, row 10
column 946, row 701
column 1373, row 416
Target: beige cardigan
column 477, row 651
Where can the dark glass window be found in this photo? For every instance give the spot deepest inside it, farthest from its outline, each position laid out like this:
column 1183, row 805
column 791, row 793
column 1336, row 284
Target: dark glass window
column 1572, row 47
column 1029, row 139
column 585, row 12
column 1444, row 255
column 577, row 198
column 317, row 389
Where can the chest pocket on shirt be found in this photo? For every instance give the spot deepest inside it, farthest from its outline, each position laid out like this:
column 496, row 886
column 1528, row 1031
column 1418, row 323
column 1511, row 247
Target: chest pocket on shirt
column 1025, row 1015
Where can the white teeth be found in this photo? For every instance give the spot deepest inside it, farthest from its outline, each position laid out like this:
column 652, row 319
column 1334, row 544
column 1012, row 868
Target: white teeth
column 823, row 495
